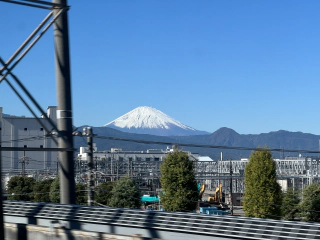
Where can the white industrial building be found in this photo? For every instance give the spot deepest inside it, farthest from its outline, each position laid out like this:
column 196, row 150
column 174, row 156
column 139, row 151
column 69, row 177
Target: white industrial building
column 117, row 163
column 26, row 132
column 118, row 153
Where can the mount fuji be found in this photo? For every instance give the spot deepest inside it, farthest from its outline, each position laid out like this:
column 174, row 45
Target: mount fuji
column 148, row 120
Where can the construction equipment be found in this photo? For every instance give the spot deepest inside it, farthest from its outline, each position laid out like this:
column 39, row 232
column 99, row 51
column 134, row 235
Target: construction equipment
column 201, row 191
column 217, row 196
column 215, row 204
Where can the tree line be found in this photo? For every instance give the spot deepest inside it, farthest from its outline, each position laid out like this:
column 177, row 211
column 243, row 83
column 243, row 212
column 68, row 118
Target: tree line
column 123, row 194
column 178, row 183
column 263, row 196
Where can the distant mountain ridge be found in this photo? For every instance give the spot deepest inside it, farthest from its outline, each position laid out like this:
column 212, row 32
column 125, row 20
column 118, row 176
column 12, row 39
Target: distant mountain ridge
column 222, row 137
column 148, row 120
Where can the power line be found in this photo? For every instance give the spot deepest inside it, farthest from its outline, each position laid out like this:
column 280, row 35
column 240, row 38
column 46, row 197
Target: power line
column 205, row 146
column 171, row 143
column 25, row 139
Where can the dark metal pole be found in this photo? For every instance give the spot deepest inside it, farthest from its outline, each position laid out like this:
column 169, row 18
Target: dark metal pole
column 1, row 208
column 64, row 111
column 90, row 168
column 24, row 161
column 23, row 165
column 231, row 188
column 96, row 173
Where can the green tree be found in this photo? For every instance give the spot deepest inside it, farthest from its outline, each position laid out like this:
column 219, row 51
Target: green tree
column 125, row 194
column 180, row 190
column 81, row 194
column 103, row 193
column 290, row 201
column 310, row 204
column 42, row 190
column 21, row 188
column 262, row 195
column 55, row 190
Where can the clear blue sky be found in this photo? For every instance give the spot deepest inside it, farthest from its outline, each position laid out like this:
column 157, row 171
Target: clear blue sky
column 253, row 66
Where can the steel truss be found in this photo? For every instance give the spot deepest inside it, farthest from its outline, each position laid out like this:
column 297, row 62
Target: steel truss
column 26, row 46
column 297, row 172
column 57, row 16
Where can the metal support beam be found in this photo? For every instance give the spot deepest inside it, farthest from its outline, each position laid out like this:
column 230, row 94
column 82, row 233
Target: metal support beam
column 27, row 41
column 90, row 168
column 1, row 208
column 33, row 3
column 31, row 44
column 33, row 149
column 25, row 90
column 64, row 112
column 231, row 203
column 30, row 109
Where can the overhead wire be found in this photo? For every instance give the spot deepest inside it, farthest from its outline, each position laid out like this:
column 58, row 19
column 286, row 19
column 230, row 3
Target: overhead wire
column 34, row 138
column 205, row 146
column 172, row 143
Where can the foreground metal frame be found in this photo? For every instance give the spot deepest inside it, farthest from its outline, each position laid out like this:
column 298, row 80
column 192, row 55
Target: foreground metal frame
column 154, row 224
column 58, row 15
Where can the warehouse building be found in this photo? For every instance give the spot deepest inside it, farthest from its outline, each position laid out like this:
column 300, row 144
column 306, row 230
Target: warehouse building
column 26, row 132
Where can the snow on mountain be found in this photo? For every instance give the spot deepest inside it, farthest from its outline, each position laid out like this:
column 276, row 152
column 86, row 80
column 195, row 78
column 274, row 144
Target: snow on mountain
column 148, row 120
column 146, row 117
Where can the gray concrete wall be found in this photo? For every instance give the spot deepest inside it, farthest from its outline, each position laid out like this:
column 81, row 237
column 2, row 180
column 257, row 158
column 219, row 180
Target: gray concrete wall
column 21, row 132
column 32, row 232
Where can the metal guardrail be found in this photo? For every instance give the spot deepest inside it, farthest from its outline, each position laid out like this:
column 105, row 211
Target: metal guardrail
column 156, row 224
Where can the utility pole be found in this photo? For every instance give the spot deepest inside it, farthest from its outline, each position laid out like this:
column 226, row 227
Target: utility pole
column 90, row 168
column 219, row 164
column 57, row 165
column 96, row 172
column 64, row 110
column 105, row 165
column 231, row 187
column 24, row 161
column 117, row 167
column 175, row 147
column 1, row 207
column 111, row 167
column 79, row 169
column 1, row 198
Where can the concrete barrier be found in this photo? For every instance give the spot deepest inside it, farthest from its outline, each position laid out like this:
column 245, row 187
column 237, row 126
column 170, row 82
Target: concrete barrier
column 32, row 232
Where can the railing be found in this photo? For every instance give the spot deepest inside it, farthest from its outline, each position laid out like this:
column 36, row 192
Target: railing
column 154, row 224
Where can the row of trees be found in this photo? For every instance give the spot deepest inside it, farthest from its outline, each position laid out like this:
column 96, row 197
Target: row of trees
column 263, row 197
column 124, row 193
column 180, row 192
column 178, row 182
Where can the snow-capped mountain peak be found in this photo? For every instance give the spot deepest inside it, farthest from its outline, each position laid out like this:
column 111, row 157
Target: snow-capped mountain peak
column 146, row 117
column 151, row 121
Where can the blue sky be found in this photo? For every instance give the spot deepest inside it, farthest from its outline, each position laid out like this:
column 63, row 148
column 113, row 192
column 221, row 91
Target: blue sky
column 249, row 65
